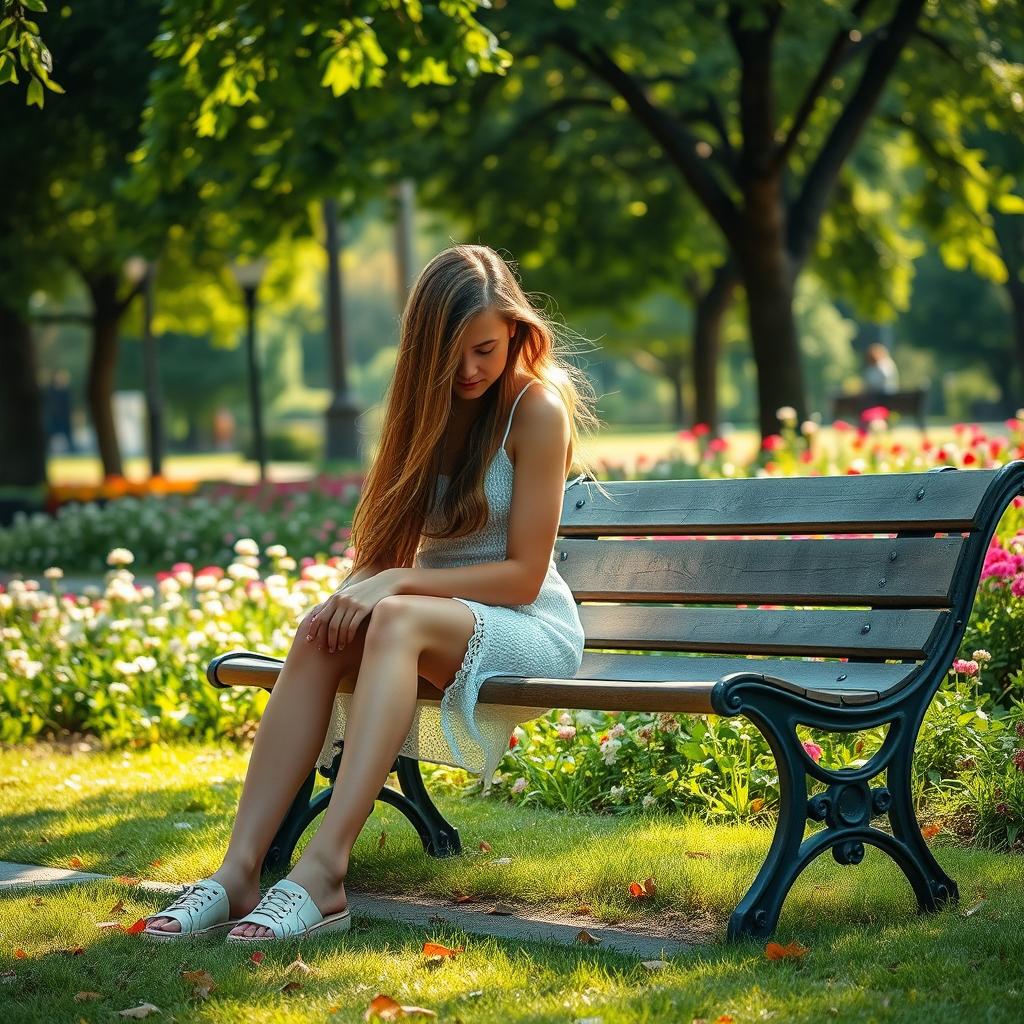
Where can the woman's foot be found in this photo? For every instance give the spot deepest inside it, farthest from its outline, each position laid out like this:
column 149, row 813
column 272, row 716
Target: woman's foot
column 322, row 879
column 243, row 892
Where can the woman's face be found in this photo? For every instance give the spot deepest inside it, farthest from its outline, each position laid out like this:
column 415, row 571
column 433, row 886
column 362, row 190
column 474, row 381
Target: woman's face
column 484, row 354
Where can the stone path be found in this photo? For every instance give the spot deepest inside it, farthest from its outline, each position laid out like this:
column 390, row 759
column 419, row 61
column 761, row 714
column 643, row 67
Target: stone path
column 652, row 940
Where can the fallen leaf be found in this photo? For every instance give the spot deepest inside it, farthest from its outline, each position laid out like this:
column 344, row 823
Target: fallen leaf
column 127, row 880
column 654, row 965
column 39, row 902
column 585, row 937
column 756, row 805
column 299, row 966
column 774, row 951
column 930, row 831
column 639, row 892
column 463, row 897
column 257, row 957
column 202, row 983
column 383, row 839
column 109, row 924
column 485, row 846
column 143, row 1010
column 139, row 926
column 155, row 863
column 386, row 1008
column 117, row 908
column 698, row 853
column 76, row 862
column 87, row 997
column 501, row 908
column 434, row 949
column 20, row 954
column 585, row 908
column 72, row 951
column 724, row 1018
column 292, row 986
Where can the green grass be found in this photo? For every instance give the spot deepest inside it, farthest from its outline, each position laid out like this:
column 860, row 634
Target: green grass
column 872, row 958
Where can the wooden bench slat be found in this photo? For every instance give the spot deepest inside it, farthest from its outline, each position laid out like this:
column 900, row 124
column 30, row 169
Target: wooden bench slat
column 836, row 633
column 620, row 682
column 868, row 503
column 902, row 572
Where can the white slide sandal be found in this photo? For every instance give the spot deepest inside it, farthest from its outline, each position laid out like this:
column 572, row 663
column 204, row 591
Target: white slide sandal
column 202, row 909
column 289, row 912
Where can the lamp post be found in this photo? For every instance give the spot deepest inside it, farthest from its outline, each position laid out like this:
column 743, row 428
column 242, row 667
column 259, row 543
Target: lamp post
column 140, row 272
column 248, row 276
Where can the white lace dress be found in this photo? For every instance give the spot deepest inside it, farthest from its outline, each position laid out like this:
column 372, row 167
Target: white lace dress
column 543, row 638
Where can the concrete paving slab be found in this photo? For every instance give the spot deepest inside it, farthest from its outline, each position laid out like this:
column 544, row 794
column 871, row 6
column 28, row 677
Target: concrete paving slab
column 653, row 940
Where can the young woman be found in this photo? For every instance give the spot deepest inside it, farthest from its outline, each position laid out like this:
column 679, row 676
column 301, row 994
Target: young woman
column 454, row 580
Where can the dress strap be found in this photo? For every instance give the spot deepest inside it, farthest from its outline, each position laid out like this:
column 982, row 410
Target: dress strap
column 513, row 409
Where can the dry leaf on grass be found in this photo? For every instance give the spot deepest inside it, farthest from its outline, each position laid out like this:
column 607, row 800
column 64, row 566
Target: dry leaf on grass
column 641, row 892
column 298, row 966
column 485, row 846
column 462, row 897
column 386, row 1008
column 127, row 880
column 434, row 949
column 775, row 951
column 201, row 983
column 110, row 924
column 139, row 926
column 257, row 957
column 75, row 862
column 291, row 987
column 698, row 853
column 117, row 908
column 87, row 997
column 585, row 937
column 20, row 954
column 140, row 1011
column 931, row 831
column 383, row 839
column 503, row 909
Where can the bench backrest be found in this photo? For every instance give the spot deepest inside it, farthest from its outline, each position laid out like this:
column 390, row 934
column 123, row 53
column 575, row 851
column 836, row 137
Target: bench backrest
column 870, row 567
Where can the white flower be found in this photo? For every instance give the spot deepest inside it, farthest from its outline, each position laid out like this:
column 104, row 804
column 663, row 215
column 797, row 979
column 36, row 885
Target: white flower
column 126, row 668
column 145, row 663
column 617, row 793
column 648, row 801
column 519, row 785
column 287, row 564
column 808, row 427
column 241, row 572
column 119, row 688
column 276, row 551
column 120, row 556
column 786, row 414
column 565, row 718
column 205, row 582
column 246, row 546
column 981, row 655
column 618, row 729
column 55, row 572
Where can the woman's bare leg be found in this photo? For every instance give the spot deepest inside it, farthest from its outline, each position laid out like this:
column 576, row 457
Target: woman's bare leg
column 408, row 636
column 294, row 720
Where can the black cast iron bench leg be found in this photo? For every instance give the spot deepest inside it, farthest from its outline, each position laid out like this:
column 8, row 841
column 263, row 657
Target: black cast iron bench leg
column 847, row 806
column 439, row 837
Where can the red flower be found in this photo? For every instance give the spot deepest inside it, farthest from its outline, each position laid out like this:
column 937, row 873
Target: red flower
column 513, row 741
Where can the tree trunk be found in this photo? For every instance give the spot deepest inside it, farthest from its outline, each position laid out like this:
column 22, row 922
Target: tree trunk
column 23, row 441
column 710, row 310
column 1010, row 239
column 106, row 319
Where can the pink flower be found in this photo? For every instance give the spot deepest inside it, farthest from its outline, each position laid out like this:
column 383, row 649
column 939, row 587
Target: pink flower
column 967, row 668
column 519, row 785
column 773, row 442
column 876, row 412
column 700, row 429
column 566, row 732
column 513, row 741
column 717, row 444
column 1018, row 760
column 813, row 751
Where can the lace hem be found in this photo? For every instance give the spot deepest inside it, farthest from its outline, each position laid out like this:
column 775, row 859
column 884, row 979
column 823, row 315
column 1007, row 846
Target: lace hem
column 456, row 690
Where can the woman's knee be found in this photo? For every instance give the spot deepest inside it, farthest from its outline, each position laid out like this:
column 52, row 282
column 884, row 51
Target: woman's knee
column 391, row 622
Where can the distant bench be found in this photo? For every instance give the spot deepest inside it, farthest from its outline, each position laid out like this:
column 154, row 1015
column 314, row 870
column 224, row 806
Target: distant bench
column 915, row 591
column 912, row 402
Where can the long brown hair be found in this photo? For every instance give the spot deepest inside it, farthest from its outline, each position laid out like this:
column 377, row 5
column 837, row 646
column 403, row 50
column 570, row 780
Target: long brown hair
column 456, row 285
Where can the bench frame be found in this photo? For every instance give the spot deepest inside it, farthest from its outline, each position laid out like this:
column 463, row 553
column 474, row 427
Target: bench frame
column 849, row 803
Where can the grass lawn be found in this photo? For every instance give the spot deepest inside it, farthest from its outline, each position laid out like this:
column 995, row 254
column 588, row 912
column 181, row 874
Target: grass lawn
column 871, row 957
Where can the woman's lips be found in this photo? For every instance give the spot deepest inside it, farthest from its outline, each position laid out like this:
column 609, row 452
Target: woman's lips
column 467, row 384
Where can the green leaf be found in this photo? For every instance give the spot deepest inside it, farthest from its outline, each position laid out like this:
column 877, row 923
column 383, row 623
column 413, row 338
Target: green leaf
column 35, row 93
column 34, row 5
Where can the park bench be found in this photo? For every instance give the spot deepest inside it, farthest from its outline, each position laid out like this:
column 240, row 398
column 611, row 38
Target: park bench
column 890, row 610
column 911, row 402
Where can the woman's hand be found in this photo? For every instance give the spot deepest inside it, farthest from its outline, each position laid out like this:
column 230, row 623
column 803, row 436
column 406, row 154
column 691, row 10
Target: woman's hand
column 336, row 620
